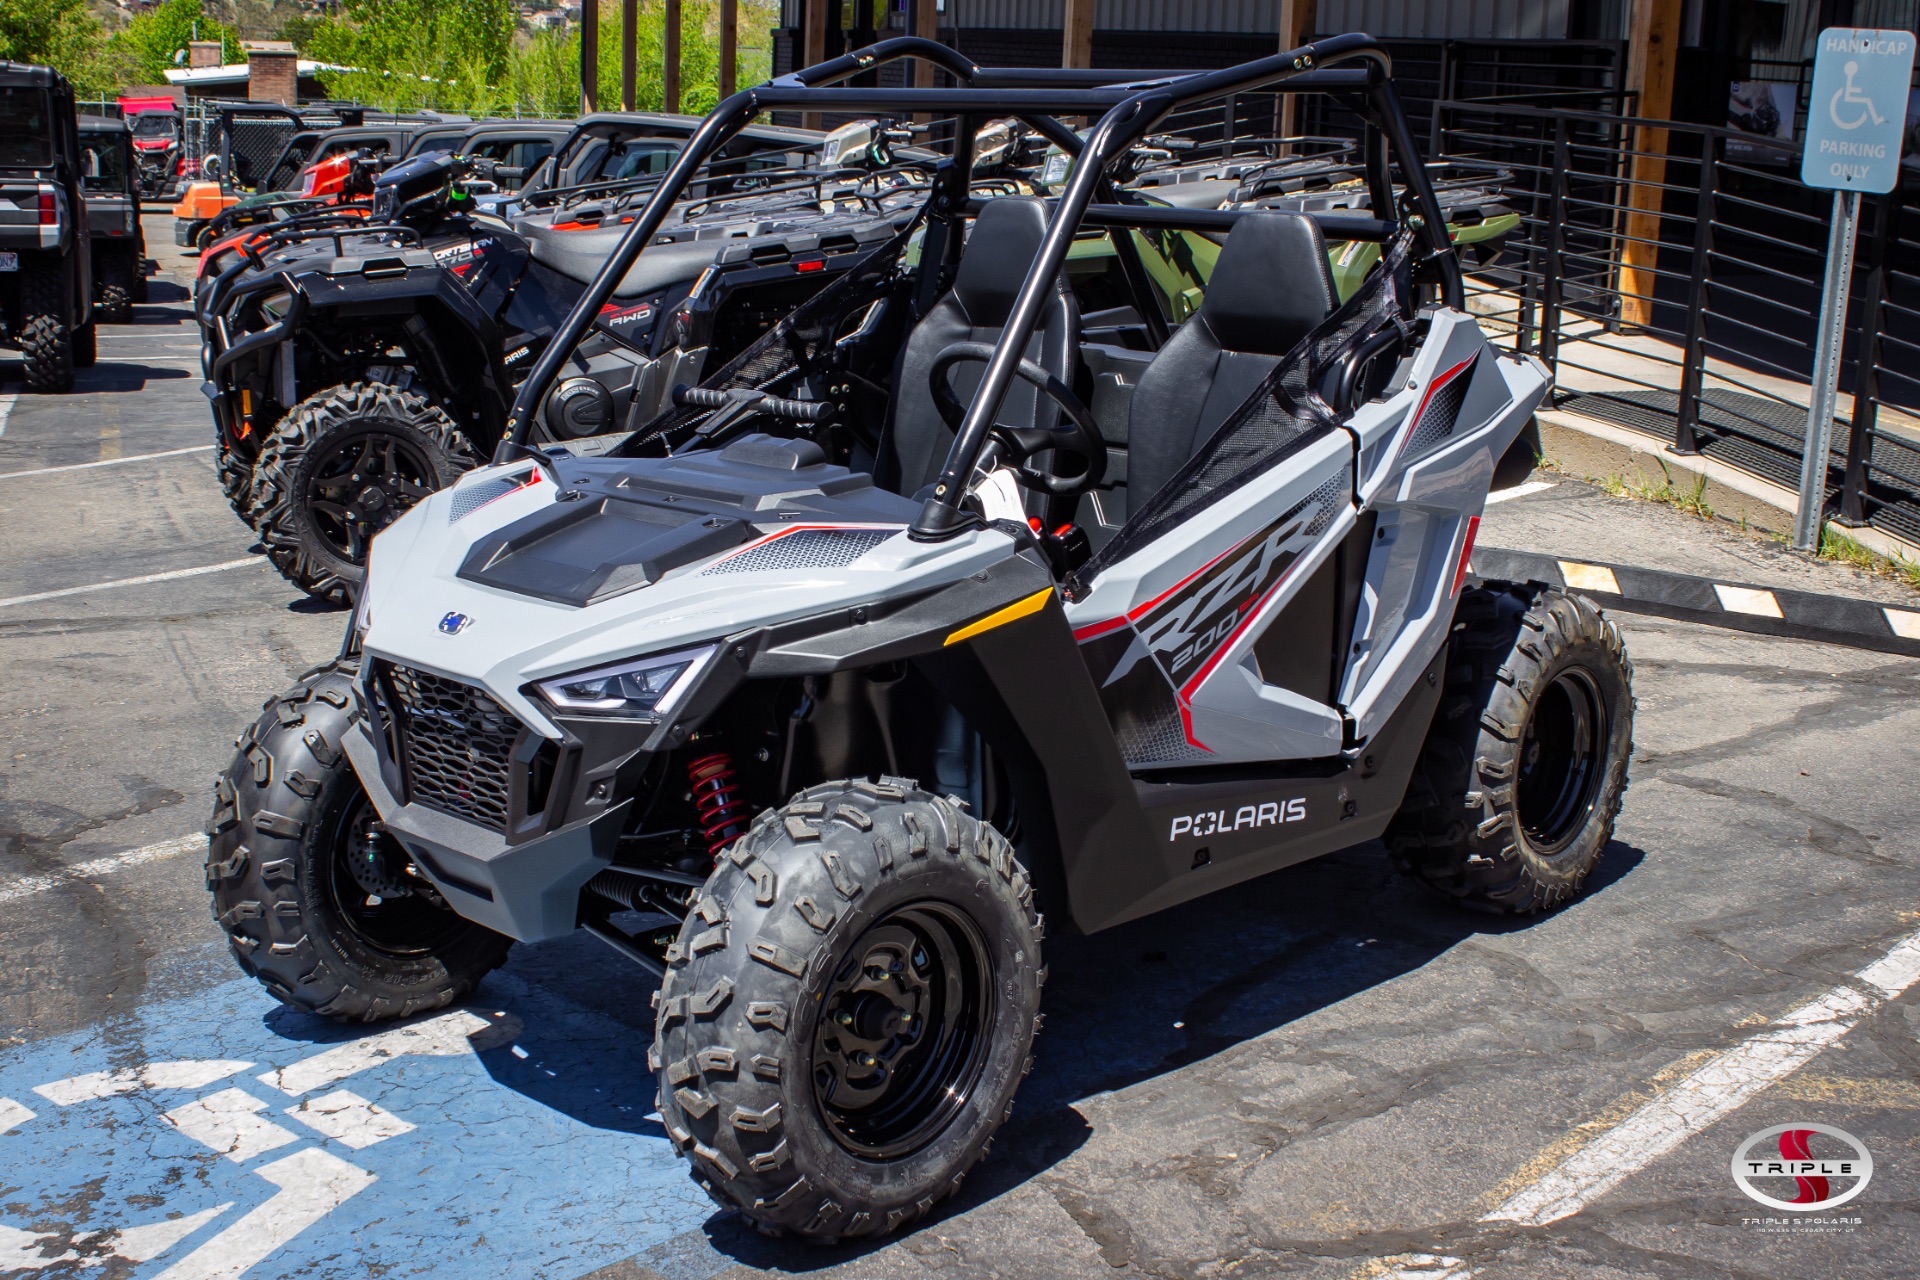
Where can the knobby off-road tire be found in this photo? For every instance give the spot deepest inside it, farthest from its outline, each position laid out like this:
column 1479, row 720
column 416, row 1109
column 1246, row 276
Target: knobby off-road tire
column 46, row 328
column 113, row 291
column 287, row 814
column 1518, row 785
column 340, row 467
column 863, row 926
column 236, row 483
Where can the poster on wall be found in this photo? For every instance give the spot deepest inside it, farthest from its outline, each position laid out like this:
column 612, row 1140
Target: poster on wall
column 1765, row 109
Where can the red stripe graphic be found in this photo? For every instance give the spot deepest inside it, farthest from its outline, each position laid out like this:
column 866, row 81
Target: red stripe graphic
column 1793, row 1146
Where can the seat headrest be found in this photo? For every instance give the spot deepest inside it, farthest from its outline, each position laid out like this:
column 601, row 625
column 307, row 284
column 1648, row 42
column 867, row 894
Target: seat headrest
column 1271, row 284
column 998, row 258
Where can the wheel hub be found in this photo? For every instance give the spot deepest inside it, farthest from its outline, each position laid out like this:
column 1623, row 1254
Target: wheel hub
column 362, row 482
column 903, row 1031
column 1562, row 760
column 374, row 863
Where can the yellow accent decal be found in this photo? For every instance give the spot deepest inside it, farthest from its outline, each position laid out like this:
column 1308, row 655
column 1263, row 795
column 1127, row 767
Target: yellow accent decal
column 1012, row 613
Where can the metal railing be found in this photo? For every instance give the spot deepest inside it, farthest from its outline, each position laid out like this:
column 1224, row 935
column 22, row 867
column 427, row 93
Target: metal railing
column 1673, row 285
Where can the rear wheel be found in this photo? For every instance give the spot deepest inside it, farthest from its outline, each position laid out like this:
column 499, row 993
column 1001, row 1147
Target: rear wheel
column 46, row 325
column 317, row 901
column 340, row 467
column 848, row 1010
column 113, row 290
column 1521, row 777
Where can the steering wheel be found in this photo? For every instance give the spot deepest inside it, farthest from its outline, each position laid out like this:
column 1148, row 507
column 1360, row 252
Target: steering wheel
column 1080, row 439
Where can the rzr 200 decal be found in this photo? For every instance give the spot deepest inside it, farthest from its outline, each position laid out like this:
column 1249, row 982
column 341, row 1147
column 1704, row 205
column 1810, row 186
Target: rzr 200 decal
column 1186, row 630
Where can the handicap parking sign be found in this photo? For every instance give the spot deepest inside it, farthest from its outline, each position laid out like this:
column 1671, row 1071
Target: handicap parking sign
column 1858, row 110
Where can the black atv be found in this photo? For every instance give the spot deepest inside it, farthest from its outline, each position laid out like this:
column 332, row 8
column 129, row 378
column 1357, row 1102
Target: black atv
column 356, row 367
column 110, row 179
column 46, row 269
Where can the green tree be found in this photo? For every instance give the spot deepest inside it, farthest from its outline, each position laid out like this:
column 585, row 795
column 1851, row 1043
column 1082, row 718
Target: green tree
column 61, row 34
column 147, row 46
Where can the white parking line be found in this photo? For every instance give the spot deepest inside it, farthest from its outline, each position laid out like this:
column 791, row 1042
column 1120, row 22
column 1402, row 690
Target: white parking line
column 229, row 1122
column 1519, row 491
column 350, row 1119
column 1711, row 1092
column 183, row 1073
column 13, row 1115
column 81, row 872
column 444, row 1036
column 87, row 466
column 142, row 580
column 6, row 411
column 312, row 1182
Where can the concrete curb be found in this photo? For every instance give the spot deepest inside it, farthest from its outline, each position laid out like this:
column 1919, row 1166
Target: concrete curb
column 1772, row 611
column 1585, row 448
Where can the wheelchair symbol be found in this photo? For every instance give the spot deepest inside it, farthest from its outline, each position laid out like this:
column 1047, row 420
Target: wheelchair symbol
column 1852, row 96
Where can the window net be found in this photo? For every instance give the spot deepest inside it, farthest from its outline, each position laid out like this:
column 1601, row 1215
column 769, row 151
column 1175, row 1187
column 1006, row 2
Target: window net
column 1280, row 417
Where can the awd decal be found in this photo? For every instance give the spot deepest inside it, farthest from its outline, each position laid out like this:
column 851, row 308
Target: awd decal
column 614, row 316
column 1219, row 822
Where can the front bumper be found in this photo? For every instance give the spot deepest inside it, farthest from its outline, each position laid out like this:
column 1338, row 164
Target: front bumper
column 529, row 891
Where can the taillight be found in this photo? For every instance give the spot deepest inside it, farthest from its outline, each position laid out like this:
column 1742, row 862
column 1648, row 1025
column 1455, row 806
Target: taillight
column 49, row 211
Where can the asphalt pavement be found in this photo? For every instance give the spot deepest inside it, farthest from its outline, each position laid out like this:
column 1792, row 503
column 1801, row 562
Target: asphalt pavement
column 1326, row 1073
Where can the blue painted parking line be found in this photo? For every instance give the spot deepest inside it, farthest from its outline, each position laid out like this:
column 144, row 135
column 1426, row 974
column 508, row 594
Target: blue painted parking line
column 225, row 1136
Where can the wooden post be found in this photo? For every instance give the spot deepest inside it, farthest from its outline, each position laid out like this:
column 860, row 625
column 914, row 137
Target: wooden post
column 1653, row 47
column 589, row 56
column 729, row 48
column 1076, row 34
column 670, row 49
column 629, row 36
column 1296, row 25
column 813, row 45
column 926, row 22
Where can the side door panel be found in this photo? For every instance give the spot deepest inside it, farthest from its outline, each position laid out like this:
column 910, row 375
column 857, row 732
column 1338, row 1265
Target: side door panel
column 1170, row 633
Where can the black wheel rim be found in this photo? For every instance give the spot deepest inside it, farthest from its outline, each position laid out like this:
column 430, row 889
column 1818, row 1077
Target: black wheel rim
column 1563, row 755
column 405, row 925
column 905, row 1026
column 361, row 481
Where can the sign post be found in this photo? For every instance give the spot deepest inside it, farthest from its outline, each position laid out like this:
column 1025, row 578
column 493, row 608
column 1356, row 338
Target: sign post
column 1854, row 125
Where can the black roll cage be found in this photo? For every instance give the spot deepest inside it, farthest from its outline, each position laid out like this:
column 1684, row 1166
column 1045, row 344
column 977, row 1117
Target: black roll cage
column 1129, row 104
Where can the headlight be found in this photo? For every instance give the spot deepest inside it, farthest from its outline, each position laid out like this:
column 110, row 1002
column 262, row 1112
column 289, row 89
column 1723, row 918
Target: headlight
column 644, row 689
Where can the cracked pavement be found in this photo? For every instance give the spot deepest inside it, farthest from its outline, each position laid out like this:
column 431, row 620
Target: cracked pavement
column 1326, row 1073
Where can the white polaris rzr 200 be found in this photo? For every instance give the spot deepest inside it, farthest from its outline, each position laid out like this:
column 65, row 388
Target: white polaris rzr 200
column 969, row 592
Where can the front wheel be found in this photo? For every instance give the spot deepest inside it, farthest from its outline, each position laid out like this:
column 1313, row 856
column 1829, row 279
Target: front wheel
column 1522, row 774
column 317, row 901
column 341, row 466
column 848, row 1010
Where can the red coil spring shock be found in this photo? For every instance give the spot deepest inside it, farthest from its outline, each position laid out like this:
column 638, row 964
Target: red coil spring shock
column 716, row 801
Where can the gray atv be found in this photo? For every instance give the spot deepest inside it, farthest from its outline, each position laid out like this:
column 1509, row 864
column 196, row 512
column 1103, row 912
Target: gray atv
column 829, row 712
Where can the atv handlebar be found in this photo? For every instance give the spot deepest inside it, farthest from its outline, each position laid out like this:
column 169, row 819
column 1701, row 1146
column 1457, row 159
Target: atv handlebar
column 809, row 411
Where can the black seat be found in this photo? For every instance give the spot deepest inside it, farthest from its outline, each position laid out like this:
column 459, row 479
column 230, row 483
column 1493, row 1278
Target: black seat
column 579, row 255
column 998, row 258
column 1270, row 288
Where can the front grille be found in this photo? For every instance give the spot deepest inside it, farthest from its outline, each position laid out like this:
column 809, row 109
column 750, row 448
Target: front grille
column 459, row 745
